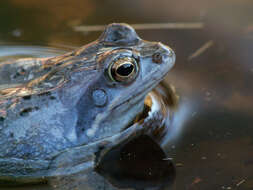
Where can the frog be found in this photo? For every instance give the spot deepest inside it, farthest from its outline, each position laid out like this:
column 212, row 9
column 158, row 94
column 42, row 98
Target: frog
column 58, row 112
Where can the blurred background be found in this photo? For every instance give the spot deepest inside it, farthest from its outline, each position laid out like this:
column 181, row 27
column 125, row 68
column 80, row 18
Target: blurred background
column 213, row 146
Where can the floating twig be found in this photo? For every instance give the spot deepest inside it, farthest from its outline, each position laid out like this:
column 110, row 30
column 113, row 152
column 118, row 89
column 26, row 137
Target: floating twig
column 151, row 26
column 179, row 165
column 201, row 50
column 241, row 182
column 168, row 159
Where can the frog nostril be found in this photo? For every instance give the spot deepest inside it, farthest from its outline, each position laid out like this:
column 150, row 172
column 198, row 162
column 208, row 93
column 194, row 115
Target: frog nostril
column 157, row 58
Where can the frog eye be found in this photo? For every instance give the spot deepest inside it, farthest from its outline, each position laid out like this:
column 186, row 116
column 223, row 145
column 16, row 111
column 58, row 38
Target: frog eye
column 123, row 70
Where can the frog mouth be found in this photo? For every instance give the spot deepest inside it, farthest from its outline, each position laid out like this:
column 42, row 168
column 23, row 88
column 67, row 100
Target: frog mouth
column 137, row 96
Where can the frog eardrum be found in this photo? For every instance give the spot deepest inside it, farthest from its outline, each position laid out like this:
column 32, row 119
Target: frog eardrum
column 123, row 69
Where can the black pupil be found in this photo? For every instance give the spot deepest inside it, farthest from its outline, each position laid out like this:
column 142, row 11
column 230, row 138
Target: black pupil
column 125, row 69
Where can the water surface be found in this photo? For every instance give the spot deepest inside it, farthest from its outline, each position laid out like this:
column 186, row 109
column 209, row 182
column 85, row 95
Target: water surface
column 211, row 146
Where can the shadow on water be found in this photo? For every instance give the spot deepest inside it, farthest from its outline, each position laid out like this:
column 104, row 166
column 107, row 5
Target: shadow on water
column 138, row 164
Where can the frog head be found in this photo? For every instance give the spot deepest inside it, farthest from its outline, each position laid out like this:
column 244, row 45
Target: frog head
column 106, row 98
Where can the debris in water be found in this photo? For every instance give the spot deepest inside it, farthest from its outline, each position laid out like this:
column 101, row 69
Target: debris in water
column 241, row 182
column 150, row 26
column 201, row 50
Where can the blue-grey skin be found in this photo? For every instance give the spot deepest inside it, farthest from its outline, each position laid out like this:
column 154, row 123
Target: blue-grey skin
column 50, row 105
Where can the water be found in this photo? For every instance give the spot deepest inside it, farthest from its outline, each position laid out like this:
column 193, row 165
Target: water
column 211, row 142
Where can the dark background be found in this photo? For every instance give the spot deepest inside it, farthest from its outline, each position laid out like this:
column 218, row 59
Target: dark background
column 213, row 148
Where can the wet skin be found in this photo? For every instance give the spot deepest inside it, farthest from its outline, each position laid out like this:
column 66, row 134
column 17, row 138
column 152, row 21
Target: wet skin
column 50, row 104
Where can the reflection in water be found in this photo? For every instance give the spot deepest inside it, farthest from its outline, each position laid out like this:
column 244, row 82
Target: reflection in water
column 138, row 164
column 7, row 52
column 179, row 111
column 177, row 123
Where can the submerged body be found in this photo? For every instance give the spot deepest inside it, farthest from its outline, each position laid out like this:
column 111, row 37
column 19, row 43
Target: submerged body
column 49, row 105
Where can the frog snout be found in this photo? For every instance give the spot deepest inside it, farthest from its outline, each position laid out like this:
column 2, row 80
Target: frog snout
column 166, row 50
column 164, row 55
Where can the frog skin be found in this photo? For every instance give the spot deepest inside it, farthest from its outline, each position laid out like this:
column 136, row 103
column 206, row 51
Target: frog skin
column 50, row 105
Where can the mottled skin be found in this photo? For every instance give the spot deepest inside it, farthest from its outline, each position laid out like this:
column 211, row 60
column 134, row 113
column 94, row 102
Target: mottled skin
column 50, row 104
